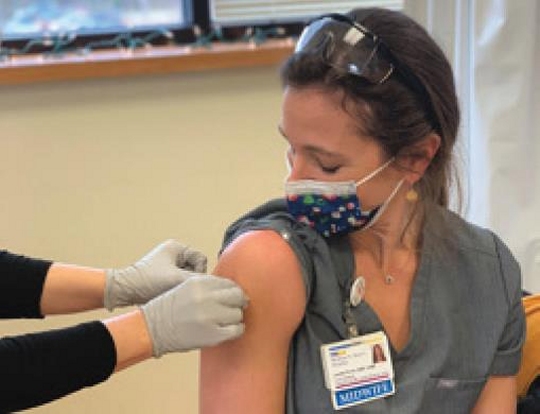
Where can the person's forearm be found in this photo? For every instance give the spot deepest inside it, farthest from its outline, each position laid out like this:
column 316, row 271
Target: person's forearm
column 41, row 367
column 70, row 288
column 131, row 338
column 499, row 396
column 69, row 359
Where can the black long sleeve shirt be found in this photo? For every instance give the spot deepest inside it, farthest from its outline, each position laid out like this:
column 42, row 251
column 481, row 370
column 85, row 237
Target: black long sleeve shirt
column 40, row 367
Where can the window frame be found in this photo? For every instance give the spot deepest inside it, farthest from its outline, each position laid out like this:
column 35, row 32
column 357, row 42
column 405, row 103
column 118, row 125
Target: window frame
column 184, row 52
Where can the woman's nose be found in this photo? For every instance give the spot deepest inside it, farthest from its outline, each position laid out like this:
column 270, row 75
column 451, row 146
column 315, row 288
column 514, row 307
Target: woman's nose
column 297, row 166
column 296, row 170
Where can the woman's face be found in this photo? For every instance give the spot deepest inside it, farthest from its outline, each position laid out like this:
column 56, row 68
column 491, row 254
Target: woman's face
column 325, row 145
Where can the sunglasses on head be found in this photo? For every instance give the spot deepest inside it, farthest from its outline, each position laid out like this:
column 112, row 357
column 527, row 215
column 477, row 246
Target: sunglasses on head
column 347, row 46
column 352, row 49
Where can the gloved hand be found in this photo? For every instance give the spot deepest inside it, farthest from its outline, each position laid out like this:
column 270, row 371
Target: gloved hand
column 155, row 273
column 202, row 311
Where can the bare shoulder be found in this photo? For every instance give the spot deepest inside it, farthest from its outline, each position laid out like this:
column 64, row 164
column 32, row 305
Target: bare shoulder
column 264, row 264
column 260, row 249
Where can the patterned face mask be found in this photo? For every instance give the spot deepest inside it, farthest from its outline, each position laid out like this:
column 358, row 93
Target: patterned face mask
column 333, row 207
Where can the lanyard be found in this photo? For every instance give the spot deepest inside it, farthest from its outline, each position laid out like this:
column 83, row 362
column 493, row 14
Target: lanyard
column 350, row 323
column 343, row 263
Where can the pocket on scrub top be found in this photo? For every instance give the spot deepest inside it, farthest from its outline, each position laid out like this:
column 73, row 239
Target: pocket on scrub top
column 451, row 396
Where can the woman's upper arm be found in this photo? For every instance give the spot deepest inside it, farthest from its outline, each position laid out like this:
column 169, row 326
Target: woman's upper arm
column 499, row 396
column 248, row 375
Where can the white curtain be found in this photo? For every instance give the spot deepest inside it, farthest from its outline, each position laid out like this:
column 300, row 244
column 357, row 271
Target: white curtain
column 494, row 46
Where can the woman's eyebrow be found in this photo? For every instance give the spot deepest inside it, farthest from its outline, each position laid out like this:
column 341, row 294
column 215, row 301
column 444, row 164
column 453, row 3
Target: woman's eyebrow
column 315, row 149
column 334, row 156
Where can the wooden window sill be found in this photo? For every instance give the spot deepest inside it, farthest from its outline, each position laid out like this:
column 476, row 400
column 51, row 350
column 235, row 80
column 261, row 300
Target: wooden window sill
column 152, row 61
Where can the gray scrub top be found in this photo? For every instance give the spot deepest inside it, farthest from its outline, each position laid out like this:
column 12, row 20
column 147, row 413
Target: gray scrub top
column 467, row 319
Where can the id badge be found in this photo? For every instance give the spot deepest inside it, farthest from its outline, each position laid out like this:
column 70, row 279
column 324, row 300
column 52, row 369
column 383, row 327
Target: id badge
column 358, row 370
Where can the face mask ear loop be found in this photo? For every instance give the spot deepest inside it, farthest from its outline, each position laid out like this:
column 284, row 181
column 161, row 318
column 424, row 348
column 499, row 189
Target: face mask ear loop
column 384, row 205
column 374, row 173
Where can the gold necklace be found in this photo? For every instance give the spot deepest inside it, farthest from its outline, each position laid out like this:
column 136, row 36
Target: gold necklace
column 358, row 286
column 389, row 279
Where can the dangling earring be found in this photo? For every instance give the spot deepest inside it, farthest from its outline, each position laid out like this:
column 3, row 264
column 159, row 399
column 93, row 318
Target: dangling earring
column 412, row 195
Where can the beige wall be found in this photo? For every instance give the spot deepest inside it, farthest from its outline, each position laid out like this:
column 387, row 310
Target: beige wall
column 97, row 172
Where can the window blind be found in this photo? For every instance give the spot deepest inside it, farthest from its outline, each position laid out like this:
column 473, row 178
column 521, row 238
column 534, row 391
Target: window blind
column 231, row 12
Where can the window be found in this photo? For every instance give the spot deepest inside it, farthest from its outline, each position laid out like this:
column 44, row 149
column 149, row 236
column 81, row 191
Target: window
column 57, row 24
column 23, row 19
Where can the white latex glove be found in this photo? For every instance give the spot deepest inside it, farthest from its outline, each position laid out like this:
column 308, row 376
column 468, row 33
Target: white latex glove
column 203, row 311
column 155, row 273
